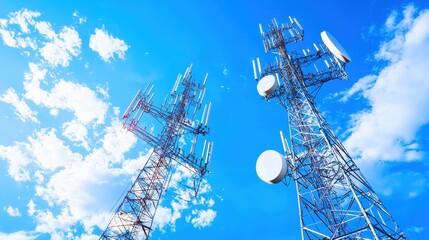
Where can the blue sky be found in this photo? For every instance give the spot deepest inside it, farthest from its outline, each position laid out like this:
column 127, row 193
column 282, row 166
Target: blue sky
column 70, row 70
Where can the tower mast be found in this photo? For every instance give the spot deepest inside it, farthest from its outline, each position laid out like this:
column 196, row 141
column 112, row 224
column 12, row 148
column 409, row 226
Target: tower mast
column 134, row 217
column 335, row 201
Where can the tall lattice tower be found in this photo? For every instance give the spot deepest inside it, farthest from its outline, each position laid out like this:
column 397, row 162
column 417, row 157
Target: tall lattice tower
column 134, row 217
column 335, row 201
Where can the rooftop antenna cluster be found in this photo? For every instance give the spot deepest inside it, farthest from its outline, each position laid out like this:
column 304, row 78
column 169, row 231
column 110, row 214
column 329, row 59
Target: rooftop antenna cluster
column 134, row 217
column 335, row 201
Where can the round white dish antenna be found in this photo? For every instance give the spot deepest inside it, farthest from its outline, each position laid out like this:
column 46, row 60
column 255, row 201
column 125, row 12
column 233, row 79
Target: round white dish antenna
column 271, row 167
column 267, row 85
column 335, row 47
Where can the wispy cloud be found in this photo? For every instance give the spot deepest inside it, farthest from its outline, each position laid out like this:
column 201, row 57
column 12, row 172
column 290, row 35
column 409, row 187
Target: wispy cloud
column 22, row 110
column 81, row 19
column 225, row 71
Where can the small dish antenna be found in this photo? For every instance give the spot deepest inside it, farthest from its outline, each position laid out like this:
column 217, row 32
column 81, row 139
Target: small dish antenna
column 271, row 167
column 335, row 47
column 267, row 85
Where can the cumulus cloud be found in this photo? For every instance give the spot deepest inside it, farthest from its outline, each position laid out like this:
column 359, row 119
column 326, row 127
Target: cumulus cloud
column 51, row 153
column 43, row 151
column 102, row 174
column 13, row 212
column 397, row 94
column 79, row 99
column 57, row 48
column 22, row 110
column 63, row 46
column 106, row 45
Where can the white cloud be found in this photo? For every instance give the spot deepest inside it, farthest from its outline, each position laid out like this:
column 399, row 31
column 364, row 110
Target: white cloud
column 79, row 99
column 416, row 229
column 204, row 218
column 398, row 98
column 33, row 78
column 76, row 132
column 81, row 20
column 45, row 29
column 181, row 183
column 13, row 212
column 102, row 174
column 23, row 18
column 43, row 150
column 361, row 86
column 163, row 218
column 117, row 140
column 106, row 45
column 11, row 40
column 22, row 110
column 51, row 153
column 18, row 158
column 8, row 38
column 225, row 71
column 31, row 207
column 62, row 47
column 48, row 223
column 20, row 235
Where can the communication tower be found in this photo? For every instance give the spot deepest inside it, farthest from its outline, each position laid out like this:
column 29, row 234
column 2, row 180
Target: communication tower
column 134, row 217
column 335, row 201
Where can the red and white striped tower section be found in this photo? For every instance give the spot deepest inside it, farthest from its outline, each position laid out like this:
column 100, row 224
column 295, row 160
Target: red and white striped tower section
column 177, row 115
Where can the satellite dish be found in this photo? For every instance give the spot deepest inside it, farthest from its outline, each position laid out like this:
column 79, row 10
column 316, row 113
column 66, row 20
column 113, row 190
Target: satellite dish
column 271, row 167
column 267, row 85
column 335, row 47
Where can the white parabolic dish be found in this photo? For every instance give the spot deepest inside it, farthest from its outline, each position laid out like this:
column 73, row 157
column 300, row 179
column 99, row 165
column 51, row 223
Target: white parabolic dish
column 267, row 85
column 271, row 167
column 335, row 47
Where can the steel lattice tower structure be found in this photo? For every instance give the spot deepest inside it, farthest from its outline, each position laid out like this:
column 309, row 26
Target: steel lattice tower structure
column 335, row 201
column 134, row 217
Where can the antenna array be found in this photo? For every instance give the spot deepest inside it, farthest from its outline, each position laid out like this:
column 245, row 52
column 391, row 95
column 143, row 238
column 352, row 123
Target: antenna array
column 335, row 201
column 134, row 217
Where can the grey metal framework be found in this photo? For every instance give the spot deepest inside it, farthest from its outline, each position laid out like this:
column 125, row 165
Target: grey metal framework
column 134, row 217
column 335, row 201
